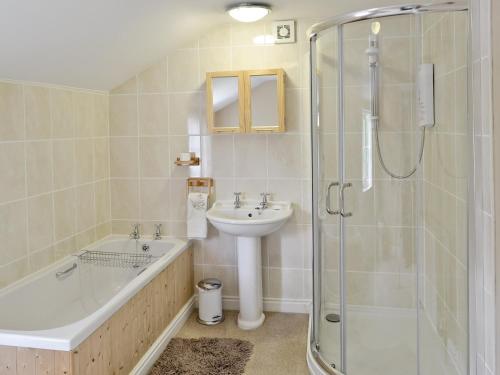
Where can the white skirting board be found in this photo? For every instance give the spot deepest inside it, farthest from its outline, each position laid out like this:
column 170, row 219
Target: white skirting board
column 297, row 306
column 149, row 358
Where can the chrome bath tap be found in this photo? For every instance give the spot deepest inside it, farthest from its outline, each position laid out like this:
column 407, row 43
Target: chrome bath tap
column 135, row 235
column 157, row 232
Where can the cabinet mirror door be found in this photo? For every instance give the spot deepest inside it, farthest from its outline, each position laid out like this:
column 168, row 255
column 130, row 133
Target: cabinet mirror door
column 265, row 101
column 225, row 104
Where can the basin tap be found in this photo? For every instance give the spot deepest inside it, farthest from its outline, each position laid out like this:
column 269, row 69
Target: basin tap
column 264, row 203
column 237, row 200
column 135, row 235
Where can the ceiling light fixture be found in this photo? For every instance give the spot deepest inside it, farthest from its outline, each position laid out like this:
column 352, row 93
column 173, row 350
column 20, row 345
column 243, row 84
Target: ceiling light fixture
column 249, row 12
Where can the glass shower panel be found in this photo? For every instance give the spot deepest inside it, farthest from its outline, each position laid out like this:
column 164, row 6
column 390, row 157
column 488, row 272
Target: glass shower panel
column 379, row 237
column 327, row 131
column 443, row 284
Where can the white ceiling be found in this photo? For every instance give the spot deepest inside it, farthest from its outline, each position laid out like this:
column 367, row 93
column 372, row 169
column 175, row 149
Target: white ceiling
column 98, row 44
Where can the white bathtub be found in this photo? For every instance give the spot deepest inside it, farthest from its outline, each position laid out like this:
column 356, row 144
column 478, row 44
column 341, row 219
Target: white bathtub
column 57, row 313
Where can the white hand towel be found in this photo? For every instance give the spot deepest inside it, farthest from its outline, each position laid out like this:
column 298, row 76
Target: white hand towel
column 197, row 206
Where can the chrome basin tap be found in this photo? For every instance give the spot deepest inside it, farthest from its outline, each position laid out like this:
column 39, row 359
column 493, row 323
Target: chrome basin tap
column 135, row 235
column 264, row 203
column 237, row 200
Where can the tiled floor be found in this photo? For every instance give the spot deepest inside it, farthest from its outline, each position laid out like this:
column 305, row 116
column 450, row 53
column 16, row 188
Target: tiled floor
column 280, row 344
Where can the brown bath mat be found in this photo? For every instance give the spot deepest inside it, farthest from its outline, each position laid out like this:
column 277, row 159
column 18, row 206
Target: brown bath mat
column 203, row 356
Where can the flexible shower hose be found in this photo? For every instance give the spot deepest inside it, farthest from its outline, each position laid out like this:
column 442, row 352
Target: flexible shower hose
column 381, row 158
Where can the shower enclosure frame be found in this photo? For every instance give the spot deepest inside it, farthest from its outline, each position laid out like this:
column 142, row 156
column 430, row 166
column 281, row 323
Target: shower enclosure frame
column 312, row 33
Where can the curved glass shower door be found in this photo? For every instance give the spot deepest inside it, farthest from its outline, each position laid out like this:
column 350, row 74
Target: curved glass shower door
column 390, row 145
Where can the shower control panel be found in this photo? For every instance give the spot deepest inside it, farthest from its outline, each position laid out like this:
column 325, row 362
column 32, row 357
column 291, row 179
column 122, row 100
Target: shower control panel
column 425, row 95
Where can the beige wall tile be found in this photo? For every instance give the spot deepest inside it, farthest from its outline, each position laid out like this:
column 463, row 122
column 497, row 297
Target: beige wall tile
column 178, row 199
column 153, row 79
column 12, row 170
column 183, row 70
column 124, row 157
column 84, row 160
column 124, row 200
column 187, row 116
column 14, row 271
column 218, row 153
column 214, row 60
column 63, row 152
column 84, row 114
column 41, row 259
column 85, row 207
column 218, row 249
column 251, row 156
column 37, row 104
column 285, row 248
column 101, row 161
column 285, row 156
column 11, row 112
column 13, row 232
column 66, row 247
column 155, row 196
column 123, row 115
column 39, row 167
column 102, row 202
column 154, row 157
column 40, row 222
column 84, row 239
column 101, row 115
column 153, row 114
column 285, row 283
column 64, row 214
column 63, row 113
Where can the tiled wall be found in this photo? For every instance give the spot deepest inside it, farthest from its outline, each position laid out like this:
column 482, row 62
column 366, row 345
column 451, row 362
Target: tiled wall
column 447, row 152
column 161, row 112
column 54, row 190
column 483, row 161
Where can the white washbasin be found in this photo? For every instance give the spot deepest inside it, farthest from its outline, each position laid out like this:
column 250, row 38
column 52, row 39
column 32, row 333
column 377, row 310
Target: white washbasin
column 249, row 220
column 249, row 223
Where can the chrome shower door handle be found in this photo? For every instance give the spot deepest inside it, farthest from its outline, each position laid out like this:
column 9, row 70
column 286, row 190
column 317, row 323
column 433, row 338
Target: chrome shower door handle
column 328, row 199
column 342, row 213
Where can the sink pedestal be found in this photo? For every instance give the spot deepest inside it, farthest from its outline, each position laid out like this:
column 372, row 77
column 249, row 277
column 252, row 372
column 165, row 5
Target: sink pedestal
column 251, row 314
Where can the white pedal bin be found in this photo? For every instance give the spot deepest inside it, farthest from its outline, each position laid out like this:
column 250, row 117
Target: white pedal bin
column 210, row 302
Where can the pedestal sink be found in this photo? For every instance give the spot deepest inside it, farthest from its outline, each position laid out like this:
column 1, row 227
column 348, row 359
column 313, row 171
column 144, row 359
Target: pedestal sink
column 249, row 223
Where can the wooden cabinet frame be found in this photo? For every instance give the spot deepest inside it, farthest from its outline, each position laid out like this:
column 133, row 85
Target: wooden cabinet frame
column 241, row 103
column 245, row 101
column 280, row 81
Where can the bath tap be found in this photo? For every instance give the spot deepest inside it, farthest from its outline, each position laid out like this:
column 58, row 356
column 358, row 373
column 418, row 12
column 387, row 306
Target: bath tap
column 135, row 235
column 157, row 232
column 237, row 201
column 264, row 203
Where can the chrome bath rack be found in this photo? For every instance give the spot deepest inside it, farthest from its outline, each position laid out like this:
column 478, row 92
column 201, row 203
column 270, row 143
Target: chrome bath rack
column 115, row 259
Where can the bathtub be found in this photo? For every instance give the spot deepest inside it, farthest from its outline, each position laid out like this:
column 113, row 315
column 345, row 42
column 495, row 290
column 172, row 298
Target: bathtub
column 45, row 311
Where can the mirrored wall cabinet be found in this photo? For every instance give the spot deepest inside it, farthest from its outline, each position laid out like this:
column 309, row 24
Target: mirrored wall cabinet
column 251, row 101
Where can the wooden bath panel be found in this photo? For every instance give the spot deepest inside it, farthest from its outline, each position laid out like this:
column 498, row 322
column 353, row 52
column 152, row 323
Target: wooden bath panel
column 118, row 344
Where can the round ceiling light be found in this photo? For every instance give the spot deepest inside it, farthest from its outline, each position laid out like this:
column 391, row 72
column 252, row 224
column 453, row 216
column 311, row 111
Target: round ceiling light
column 249, row 12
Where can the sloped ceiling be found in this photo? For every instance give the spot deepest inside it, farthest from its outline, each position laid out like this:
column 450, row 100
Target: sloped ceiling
column 98, row 44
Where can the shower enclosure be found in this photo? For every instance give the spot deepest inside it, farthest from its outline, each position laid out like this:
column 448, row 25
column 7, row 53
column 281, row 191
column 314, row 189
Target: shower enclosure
column 392, row 165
